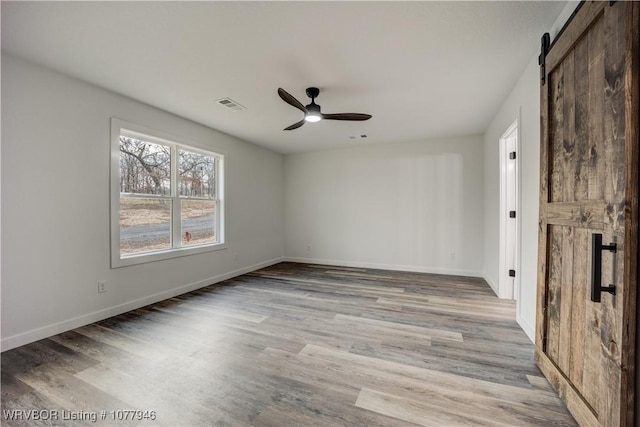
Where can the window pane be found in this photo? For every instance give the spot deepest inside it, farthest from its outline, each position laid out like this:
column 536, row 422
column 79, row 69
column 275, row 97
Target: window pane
column 198, row 222
column 145, row 225
column 196, row 173
column 145, row 167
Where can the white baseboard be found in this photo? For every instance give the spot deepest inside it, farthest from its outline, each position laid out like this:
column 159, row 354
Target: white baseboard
column 493, row 285
column 46, row 331
column 395, row 267
column 526, row 327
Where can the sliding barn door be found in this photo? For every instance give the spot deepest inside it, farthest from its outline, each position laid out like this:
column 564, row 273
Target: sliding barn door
column 588, row 241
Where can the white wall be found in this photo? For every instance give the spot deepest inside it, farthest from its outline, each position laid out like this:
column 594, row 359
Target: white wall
column 523, row 102
column 406, row 206
column 55, row 206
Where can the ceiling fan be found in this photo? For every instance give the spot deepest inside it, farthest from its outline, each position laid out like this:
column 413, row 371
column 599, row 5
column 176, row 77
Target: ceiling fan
column 312, row 111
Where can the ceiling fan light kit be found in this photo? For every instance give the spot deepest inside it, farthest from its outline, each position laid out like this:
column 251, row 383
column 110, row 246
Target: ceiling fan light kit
column 312, row 117
column 312, row 112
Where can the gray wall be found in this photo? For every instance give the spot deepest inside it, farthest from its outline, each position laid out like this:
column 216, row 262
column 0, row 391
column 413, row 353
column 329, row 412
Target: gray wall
column 406, row 206
column 55, row 206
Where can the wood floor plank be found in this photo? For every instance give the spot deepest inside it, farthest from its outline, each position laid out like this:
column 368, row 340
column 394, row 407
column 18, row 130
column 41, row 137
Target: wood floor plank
column 465, row 395
column 399, row 372
column 425, row 412
column 169, row 407
column 395, row 329
column 297, row 344
column 14, row 406
column 120, row 340
column 365, row 290
column 233, row 314
column 44, row 352
column 99, row 351
column 541, row 383
column 70, row 393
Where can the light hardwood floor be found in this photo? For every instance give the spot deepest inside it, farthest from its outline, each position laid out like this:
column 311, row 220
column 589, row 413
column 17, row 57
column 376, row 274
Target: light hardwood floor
column 295, row 345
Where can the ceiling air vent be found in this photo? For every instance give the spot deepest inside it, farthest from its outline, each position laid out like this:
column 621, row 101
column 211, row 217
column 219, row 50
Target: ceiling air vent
column 230, row 103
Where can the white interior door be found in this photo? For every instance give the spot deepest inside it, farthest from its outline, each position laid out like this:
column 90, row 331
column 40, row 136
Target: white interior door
column 508, row 286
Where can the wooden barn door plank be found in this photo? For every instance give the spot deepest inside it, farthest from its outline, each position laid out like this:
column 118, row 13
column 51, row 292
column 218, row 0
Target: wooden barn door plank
column 589, row 186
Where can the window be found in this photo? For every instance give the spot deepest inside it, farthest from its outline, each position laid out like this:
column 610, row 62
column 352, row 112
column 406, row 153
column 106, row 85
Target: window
column 166, row 196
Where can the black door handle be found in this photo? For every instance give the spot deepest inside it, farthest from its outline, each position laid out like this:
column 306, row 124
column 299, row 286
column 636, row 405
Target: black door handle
column 596, row 267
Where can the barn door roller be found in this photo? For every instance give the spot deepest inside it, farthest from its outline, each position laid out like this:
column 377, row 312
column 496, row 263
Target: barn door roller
column 545, row 43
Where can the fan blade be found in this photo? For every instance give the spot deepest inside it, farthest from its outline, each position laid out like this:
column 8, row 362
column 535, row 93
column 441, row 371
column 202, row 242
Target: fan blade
column 295, row 125
column 289, row 99
column 346, row 116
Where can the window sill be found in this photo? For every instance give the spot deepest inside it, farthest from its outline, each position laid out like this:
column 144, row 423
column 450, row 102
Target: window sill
column 117, row 261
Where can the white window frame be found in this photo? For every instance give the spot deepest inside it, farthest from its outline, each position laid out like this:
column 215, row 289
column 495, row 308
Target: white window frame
column 120, row 127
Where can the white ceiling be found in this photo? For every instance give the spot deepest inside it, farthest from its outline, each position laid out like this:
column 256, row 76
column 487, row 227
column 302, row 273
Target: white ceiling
column 422, row 69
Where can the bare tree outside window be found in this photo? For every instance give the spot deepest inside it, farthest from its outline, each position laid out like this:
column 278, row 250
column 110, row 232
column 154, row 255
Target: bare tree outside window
column 145, row 167
column 197, row 174
column 146, row 200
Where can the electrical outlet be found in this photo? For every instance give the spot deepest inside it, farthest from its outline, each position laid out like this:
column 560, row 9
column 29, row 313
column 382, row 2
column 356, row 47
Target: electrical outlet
column 235, row 257
column 102, row 286
column 309, row 248
column 452, row 256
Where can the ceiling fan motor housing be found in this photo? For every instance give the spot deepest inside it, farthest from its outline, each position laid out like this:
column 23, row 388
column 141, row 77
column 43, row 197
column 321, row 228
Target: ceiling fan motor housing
column 313, row 108
column 312, row 92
